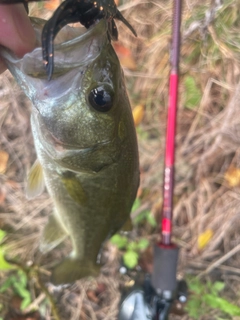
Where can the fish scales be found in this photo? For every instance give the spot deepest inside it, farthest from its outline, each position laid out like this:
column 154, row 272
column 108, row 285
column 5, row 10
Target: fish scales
column 86, row 144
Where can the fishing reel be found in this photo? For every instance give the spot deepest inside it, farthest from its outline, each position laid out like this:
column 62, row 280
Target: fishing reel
column 153, row 296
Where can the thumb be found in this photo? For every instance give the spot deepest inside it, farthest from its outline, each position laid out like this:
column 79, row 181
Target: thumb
column 16, row 32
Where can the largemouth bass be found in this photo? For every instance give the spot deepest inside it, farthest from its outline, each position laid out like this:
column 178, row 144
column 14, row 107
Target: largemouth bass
column 85, row 142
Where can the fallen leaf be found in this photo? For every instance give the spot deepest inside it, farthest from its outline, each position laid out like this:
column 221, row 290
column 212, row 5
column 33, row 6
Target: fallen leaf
column 4, row 156
column 101, row 287
column 128, row 62
column 204, row 238
column 125, row 56
column 117, row 2
column 139, row 192
column 121, row 50
column 138, row 113
column 232, row 176
column 92, row 296
column 83, row 315
column 13, row 184
column 3, row 194
column 52, row 5
column 4, row 265
column 16, row 314
column 15, row 302
column 146, row 260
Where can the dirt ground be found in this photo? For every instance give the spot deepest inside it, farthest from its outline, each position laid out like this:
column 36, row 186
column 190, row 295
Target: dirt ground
column 207, row 187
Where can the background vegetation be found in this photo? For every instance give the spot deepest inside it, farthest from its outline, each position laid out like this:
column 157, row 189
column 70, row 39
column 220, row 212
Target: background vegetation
column 206, row 215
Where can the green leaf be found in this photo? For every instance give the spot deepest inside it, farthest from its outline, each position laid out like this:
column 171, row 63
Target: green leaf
column 26, row 302
column 143, row 244
column 7, row 284
column 130, row 259
column 145, row 215
column 192, row 93
column 18, row 283
column 23, row 280
column 150, row 219
column 119, row 241
column 4, row 265
column 21, row 290
column 136, row 204
column 205, row 296
column 140, row 217
column 2, row 235
column 222, row 304
column 132, row 246
column 194, row 308
column 142, row 134
column 217, row 286
column 196, row 286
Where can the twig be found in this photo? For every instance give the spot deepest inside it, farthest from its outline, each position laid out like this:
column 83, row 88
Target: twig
column 49, row 296
column 35, row 303
column 199, row 264
column 143, row 207
column 221, row 260
column 204, row 23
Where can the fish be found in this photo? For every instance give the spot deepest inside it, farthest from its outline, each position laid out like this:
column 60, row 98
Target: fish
column 86, row 144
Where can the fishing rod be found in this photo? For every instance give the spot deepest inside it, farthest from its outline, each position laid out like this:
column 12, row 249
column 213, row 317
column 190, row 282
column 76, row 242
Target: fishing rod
column 165, row 252
column 153, row 299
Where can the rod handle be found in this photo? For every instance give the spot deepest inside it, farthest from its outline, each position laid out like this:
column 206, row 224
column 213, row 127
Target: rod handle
column 165, row 268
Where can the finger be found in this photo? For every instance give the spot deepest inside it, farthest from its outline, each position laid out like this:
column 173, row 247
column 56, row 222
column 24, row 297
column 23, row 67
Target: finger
column 16, row 32
column 2, row 66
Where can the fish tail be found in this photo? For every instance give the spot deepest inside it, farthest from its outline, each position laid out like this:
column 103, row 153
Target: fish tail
column 70, row 270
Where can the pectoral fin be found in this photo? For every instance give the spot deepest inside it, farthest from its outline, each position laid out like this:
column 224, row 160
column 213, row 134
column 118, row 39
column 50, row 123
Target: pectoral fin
column 53, row 235
column 35, row 181
column 74, row 188
column 70, row 270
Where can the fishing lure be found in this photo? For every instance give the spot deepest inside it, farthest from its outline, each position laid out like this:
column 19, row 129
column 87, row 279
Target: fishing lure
column 87, row 12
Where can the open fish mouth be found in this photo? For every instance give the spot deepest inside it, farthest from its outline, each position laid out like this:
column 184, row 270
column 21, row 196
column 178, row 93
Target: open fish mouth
column 73, row 47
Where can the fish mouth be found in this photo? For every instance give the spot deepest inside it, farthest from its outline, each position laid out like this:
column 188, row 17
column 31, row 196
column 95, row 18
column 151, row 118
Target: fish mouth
column 51, row 142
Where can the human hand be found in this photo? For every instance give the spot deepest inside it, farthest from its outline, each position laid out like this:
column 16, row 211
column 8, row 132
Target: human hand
column 16, row 32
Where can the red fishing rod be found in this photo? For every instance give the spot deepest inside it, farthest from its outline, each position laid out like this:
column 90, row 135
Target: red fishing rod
column 153, row 298
column 171, row 129
column 165, row 252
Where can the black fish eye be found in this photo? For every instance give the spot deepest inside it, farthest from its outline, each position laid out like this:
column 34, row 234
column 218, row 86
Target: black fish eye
column 101, row 98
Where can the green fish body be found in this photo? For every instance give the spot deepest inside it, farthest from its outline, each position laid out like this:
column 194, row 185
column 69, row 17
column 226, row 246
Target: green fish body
column 86, row 144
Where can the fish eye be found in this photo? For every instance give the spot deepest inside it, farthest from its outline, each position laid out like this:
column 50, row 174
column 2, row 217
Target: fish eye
column 101, row 98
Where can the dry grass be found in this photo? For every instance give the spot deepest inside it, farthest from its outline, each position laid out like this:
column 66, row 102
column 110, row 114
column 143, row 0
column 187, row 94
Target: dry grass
column 208, row 134
column 207, row 140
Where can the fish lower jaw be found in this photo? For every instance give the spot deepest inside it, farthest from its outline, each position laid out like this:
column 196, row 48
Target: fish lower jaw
column 59, row 149
column 56, row 147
